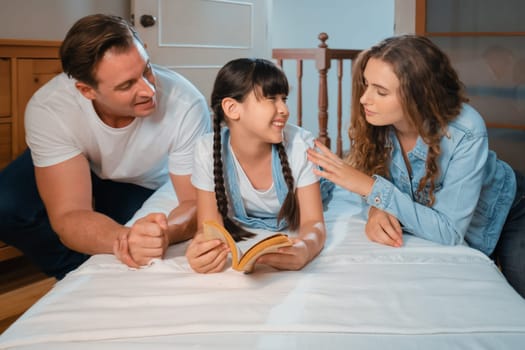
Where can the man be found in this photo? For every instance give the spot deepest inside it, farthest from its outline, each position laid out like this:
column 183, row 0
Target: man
column 103, row 136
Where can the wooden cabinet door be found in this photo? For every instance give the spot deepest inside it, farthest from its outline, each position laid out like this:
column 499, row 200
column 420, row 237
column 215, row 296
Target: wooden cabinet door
column 5, row 142
column 5, row 111
column 5, row 87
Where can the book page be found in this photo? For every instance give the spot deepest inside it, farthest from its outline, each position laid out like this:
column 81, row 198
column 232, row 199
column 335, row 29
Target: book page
column 267, row 245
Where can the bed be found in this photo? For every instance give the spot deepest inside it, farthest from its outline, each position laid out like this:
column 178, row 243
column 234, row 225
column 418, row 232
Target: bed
column 355, row 295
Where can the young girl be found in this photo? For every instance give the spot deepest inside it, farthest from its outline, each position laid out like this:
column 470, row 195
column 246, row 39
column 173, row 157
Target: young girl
column 254, row 171
column 419, row 157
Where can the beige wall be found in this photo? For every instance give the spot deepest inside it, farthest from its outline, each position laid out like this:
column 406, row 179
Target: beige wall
column 50, row 19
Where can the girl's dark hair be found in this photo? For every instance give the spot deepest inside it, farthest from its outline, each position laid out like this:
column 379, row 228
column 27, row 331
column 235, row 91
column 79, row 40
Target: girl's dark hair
column 89, row 39
column 429, row 91
column 236, row 80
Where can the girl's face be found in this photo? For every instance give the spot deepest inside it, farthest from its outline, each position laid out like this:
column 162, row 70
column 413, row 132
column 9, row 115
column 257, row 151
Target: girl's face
column 380, row 99
column 263, row 118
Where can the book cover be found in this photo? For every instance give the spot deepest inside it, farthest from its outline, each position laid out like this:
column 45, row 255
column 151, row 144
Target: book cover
column 245, row 261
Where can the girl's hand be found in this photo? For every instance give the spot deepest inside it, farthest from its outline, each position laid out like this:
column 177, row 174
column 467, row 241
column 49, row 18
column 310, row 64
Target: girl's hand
column 207, row 256
column 337, row 171
column 383, row 228
column 294, row 257
column 311, row 234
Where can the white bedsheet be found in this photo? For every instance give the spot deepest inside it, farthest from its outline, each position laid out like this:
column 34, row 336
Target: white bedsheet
column 356, row 294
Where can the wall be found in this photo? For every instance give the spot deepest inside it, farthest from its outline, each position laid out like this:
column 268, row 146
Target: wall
column 50, row 19
column 350, row 24
column 296, row 23
column 293, row 23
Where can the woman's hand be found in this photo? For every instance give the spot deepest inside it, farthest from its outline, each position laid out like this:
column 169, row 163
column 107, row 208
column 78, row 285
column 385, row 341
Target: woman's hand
column 383, row 228
column 339, row 172
column 207, row 256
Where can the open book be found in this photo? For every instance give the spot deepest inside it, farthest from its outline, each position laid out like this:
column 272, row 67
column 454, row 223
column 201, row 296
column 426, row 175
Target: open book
column 245, row 261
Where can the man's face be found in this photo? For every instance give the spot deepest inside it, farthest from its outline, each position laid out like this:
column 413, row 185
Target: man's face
column 126, row 86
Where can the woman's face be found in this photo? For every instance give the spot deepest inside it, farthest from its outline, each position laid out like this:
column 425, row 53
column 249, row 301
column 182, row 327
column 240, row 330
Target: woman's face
column 380, row 99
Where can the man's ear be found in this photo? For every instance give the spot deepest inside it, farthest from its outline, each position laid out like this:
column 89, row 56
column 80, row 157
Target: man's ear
column 86, row 90
column 230, row 106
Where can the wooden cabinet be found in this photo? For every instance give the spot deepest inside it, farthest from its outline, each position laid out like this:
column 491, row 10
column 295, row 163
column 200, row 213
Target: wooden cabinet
column 25, row 65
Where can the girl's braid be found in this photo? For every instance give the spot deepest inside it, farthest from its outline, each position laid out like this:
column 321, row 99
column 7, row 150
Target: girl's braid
column 290, row 208
column 235, row 230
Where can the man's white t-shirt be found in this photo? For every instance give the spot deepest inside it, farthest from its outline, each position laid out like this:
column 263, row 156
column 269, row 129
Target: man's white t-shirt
column 257, row 203
column 61, row 123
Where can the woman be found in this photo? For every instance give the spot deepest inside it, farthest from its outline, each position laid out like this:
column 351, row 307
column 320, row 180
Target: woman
column 419, row 157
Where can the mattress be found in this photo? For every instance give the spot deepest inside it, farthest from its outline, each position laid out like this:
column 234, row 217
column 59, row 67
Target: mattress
column 355, row 294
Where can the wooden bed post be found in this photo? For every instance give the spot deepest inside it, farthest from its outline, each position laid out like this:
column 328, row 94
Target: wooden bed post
column 339, row 140
column 322, row 63
column 300, row 92
column 322, row 55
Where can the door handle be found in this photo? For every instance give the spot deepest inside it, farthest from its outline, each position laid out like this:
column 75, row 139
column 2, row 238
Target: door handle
column 148, row 20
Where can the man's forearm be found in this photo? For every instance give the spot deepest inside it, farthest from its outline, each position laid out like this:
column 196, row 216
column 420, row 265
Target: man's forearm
column 87, row 231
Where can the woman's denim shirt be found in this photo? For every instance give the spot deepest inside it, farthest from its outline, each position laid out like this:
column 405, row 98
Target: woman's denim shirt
column 473, row 194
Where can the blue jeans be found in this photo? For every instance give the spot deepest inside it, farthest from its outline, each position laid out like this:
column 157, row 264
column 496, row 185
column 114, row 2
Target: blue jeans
column 510, row 250
column 25, row 225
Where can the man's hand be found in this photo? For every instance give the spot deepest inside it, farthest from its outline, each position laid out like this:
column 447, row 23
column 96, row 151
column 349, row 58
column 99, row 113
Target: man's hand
column 147, row 239
column 383, row 228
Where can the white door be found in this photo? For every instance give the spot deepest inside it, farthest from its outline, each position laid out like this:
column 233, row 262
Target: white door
column 197, row 37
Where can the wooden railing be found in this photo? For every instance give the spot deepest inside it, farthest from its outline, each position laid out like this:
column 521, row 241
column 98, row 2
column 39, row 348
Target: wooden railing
column 323, row 56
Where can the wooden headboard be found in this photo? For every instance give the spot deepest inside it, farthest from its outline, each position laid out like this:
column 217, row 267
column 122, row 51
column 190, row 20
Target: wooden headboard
column 323, row 57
